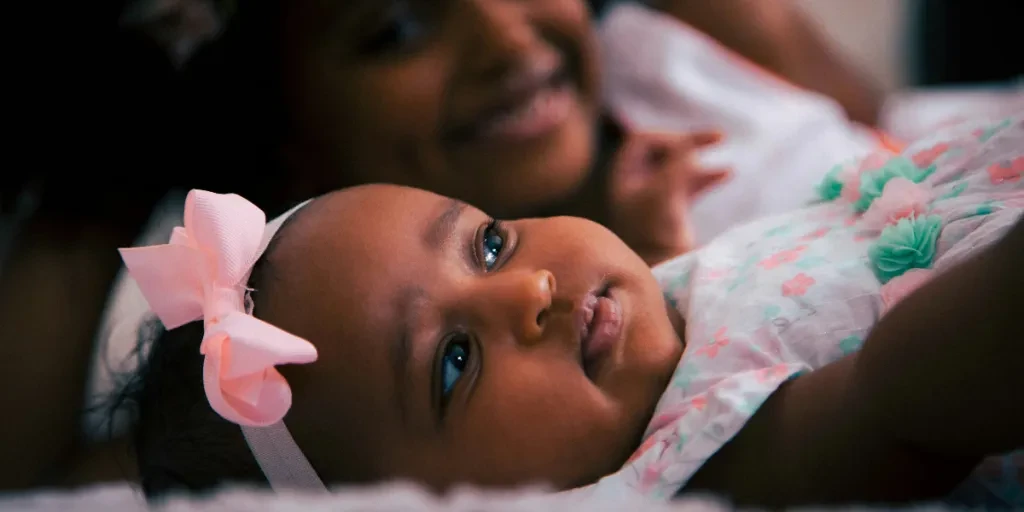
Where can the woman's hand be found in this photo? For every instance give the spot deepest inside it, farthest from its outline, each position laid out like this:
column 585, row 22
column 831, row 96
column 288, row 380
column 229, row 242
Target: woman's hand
column 652, row 182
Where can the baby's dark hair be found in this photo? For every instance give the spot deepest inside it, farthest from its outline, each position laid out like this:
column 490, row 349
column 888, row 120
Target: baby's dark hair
column 181, row 444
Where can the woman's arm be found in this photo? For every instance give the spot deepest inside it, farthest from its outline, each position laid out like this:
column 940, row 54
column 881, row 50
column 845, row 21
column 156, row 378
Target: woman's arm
column 53, row 291
column 780, row 37
column 937, row 386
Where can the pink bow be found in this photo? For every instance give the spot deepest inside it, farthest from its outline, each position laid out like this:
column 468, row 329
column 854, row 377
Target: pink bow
column 202, row 274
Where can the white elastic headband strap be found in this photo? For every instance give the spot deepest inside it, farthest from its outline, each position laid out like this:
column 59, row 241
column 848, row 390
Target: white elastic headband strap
column 273, row 447
column 281, row 460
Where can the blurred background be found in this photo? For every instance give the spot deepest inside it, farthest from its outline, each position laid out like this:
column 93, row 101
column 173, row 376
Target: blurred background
column 59, row 224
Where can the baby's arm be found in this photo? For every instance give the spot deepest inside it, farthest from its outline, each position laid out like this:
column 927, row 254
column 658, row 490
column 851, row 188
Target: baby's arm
column 937, row 386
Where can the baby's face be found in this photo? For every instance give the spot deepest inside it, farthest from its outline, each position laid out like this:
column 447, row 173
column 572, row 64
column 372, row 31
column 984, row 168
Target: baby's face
column 456, row 349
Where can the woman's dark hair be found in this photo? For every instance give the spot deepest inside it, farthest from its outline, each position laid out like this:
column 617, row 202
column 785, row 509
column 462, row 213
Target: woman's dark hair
column 181, row 445
column 235, row 117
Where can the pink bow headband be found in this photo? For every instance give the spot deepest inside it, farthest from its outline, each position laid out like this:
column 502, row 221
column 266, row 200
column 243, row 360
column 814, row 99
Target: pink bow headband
column 202, row 274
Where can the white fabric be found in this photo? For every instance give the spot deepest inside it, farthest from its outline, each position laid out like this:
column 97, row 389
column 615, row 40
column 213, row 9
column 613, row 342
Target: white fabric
column 390, row 497
column 913, row 114
column 370, row 499
column 118, row 335
column 281, row 460
column 661, row 74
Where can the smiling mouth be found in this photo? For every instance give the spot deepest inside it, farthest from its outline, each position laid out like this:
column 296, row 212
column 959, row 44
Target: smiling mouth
column 535, row 107
column 601, row 329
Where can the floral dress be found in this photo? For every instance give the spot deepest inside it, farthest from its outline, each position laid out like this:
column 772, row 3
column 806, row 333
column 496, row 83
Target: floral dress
column 789, row 294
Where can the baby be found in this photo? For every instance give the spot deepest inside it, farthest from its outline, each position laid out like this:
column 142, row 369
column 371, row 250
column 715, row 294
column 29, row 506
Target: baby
column 401, row 334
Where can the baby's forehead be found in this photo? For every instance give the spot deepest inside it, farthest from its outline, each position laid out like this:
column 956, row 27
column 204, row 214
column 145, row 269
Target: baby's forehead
column 357, row 233
column 334, row 274
column 355, row 205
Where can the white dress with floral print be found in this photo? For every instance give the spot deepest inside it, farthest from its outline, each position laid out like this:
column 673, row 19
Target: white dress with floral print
column 789, row 294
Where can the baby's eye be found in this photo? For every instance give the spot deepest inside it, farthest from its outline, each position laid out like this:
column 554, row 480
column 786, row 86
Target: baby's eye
column 492, row 243
column 401, row 28
column 454, row 362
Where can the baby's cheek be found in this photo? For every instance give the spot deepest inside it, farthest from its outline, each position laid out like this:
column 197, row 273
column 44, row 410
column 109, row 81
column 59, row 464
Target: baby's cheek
column 541, row 420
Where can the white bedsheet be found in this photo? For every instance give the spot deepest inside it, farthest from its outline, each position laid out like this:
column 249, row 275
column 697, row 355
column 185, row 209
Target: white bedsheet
column 373, row 499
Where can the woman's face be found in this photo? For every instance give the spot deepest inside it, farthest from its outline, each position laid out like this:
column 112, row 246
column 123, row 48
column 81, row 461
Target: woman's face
column 490, row 101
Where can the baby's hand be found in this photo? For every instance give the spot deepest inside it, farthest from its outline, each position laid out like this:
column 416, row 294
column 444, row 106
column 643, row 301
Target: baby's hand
column 652, row 182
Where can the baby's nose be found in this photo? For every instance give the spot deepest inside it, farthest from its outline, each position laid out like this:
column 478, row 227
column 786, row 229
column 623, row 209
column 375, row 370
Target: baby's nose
column 519, row 299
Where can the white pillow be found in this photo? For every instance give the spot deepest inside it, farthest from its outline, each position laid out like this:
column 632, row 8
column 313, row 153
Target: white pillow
column 114, row 355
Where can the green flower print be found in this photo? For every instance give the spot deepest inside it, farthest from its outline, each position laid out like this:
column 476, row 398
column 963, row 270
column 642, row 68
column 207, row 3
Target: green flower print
column 872, row 183
column 910, row 243
column 831, row 187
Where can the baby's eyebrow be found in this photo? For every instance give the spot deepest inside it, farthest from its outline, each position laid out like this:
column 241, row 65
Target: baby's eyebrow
column 442, row 228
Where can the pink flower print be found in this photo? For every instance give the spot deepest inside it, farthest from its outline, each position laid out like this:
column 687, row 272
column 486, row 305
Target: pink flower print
column 797, row 286
column 661, row 420
column 772, row 373
column 717, row 273
column 849, row 176
column 645, row 447
column 778, row 259
column 925, row 158
column 816, row 234
column 1004, row 172
column 863, row 236
column 874, row 161
column 851, row 220
column 665, row 418
column 699, row 403
column 719, row 341
column 651, row 475
column 851, row 187
column 898, row 288
column 900, row 198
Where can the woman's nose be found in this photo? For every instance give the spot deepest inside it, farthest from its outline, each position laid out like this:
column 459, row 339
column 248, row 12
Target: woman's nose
column 502, row 37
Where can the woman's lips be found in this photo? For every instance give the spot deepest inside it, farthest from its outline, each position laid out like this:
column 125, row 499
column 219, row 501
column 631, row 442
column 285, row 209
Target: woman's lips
column 542, row 113
column 535, row 104
column 601, row 321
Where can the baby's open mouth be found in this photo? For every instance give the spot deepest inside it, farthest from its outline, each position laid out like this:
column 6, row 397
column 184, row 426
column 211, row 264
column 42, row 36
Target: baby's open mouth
column 601, row 328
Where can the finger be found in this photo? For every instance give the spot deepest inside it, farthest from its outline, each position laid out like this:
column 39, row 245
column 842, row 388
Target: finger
column 706, row 179
column 628, row 172
column 700, row 139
